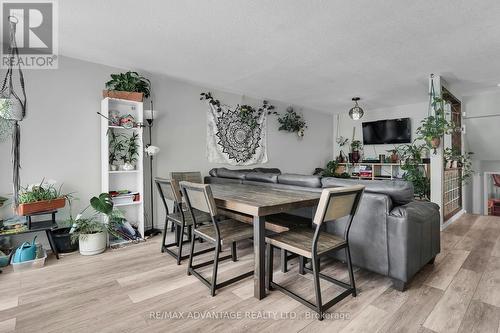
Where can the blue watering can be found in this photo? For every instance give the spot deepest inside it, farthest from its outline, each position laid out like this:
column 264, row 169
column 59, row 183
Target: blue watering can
column 25, row 252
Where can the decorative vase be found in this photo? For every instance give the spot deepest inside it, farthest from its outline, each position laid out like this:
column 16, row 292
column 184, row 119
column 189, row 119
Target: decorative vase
column 454, row 164
column 300, row 133
column 128, row 166
column 113, row 167
column 91, row 244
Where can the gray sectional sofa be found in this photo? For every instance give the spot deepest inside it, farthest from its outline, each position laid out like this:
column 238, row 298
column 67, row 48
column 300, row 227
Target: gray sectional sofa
column 392, row 234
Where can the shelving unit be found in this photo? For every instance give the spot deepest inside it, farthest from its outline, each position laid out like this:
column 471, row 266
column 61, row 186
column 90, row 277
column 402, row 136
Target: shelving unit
column 380, row 171
column 132, row 180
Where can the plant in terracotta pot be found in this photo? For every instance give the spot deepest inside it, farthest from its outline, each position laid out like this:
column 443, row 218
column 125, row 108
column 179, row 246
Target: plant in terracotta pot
column 356, row 146
column 40, row 198
column 129, row 85
column 433, row 127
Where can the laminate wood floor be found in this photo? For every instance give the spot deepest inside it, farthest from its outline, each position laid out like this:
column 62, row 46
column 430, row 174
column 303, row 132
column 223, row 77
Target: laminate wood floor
column 139, row 289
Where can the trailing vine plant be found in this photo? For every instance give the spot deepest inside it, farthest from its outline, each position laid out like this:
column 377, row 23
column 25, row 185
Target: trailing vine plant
column 434, row 127
column 248, row 114
column 411, row 158
column 291, row 121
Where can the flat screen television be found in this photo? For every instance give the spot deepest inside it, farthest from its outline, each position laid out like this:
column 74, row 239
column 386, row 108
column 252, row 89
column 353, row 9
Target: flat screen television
column 387, row 131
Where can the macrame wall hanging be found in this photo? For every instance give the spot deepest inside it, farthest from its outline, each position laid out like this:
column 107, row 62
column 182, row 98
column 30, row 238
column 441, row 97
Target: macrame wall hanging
column 13, row 105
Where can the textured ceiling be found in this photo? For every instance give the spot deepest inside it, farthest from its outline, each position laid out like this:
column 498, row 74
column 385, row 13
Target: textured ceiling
column 310, row 52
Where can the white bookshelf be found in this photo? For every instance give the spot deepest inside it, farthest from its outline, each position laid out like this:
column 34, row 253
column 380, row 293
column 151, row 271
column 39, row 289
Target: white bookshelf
column 115, row 180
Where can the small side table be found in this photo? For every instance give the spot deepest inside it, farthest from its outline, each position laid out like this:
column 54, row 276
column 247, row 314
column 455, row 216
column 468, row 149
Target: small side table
column 48, row 226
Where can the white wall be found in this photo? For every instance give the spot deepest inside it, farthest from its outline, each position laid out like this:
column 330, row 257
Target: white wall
column 482, row 137
column 180, row 132
column 416, row 112
column 60, row 135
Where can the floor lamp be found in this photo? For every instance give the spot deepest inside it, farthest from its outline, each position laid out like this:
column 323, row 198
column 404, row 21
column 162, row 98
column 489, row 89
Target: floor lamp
column 151, row 151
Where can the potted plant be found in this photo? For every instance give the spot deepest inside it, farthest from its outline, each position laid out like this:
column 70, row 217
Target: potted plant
column 62, row 236
column 116, row 145
column 356, row 146
column 130, row 86
column 394, row 155
column 433, row 127
column 292, row 122
column 90, row 232
column 40, row 198
column 454, row 159
column 411, row 163
column 131, row 152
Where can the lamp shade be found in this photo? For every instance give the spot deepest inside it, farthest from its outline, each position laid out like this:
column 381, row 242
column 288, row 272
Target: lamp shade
column 152, row 150
column 356, row 112
column 150, row 114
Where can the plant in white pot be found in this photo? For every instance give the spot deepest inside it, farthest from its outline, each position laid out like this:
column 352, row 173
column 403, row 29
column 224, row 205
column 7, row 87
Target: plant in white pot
column 91, row 232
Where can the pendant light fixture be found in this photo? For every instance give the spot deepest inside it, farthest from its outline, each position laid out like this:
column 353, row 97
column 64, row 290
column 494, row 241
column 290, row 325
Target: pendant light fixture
column 356, row 112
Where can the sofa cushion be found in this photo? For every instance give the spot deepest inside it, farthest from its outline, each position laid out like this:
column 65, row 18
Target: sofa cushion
column 267, row 170
column 213, row 172
column 400, row 191
column 299, row 180
column 264, row 177
column 234, row 174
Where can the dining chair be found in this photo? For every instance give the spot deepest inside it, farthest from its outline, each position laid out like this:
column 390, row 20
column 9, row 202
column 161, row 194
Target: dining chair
column 335, row 204
column 181, row 220
column 189, row 176
column 220, row 232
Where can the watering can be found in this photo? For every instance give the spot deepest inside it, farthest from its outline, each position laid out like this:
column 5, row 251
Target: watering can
column 25, row 252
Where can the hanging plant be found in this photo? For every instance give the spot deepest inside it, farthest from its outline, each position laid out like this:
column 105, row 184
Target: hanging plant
column 434, row 127
column 293, row 122
column 248, row 114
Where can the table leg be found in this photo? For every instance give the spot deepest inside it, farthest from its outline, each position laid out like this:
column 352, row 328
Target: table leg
column 52, row 243
column 259, row 244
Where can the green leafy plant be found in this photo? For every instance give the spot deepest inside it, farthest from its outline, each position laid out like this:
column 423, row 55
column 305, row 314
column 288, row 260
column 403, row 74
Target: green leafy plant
column 464, row 163
column 102, row 206
column 131, row 151
column 331, row 170
column 411, row 163
column 247, row 113
column 434, row 127
column 291, row 121
column 116, row 146
column 40, row 192
column 356, row 145
column 129, row 81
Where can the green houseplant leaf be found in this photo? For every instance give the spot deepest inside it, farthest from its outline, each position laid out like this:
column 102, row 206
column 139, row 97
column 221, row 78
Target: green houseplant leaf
column 102, row 204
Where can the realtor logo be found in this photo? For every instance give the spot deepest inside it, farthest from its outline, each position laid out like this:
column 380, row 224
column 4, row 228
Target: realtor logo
column 36, row 33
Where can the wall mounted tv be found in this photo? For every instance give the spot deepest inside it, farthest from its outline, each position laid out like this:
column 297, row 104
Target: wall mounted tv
column 387, row 131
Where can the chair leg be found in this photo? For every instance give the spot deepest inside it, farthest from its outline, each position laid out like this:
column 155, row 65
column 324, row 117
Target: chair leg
column 301, row 265
column 164, row 236
column 214, row 273
column 284, row 261
column 351, row 272
column 181, row 241
column 191, row 255
column 234, row 255
column 270, row 258
column 317, row 287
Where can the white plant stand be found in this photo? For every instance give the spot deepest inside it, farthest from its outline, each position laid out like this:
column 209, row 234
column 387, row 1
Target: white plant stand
column 132, row 180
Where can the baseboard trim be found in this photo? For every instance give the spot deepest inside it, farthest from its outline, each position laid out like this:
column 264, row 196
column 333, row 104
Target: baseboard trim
column 452, row 219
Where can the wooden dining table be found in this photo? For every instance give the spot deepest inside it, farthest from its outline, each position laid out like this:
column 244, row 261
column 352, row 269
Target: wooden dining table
column 259, row 202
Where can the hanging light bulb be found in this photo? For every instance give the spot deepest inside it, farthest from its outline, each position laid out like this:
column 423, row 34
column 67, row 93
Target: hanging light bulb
column 356, row 112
